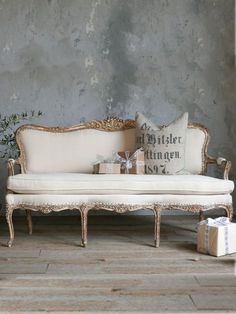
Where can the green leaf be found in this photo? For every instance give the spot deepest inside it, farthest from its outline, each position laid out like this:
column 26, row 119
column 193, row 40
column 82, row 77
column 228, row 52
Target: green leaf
column 7, row 129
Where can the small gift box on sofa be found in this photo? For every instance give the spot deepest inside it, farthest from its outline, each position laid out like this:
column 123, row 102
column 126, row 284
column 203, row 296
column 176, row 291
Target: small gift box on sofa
column 107, row 168
column 216, row 237
column 131, row 162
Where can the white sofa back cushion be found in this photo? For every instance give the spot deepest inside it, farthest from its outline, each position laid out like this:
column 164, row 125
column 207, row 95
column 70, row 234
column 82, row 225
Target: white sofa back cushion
column 45, row 150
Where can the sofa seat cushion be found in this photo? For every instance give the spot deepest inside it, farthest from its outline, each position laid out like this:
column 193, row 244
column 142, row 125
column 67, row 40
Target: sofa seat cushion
column 76, row 183
column 64, row 201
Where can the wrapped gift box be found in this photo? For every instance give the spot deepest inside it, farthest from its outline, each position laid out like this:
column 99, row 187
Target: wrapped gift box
column 132, row 162
column 216, row 237
column 107, row 168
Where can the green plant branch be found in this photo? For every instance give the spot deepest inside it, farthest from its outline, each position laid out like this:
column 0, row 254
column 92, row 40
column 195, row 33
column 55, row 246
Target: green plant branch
column 7, row 128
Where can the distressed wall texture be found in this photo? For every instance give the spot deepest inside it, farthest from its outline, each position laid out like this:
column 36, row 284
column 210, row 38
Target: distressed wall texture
column 83, row 59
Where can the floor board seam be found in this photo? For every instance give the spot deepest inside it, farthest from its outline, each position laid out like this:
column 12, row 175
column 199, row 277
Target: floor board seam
column 190, row 296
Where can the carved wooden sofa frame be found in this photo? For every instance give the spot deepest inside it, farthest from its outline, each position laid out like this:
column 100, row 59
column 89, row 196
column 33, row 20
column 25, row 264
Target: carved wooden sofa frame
column 110, row 124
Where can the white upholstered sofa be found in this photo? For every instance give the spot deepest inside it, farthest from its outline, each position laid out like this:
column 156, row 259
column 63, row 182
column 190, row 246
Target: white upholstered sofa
column 56, row 174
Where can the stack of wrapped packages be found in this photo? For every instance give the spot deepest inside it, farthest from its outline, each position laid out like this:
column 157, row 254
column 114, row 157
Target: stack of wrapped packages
column 122, row 162
column 216, row 237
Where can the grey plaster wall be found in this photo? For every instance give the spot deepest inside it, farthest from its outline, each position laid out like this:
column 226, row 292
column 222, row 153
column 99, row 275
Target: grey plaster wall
column 83, row 59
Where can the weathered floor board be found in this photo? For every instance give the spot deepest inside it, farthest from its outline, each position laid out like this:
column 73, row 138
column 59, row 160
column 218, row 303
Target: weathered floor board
column 119, row 271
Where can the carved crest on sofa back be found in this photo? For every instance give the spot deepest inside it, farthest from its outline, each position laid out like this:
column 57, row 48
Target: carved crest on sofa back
column 109, row 124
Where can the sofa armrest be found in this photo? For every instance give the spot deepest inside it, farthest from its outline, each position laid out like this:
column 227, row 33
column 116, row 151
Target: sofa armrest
column 221, row 162
column 11, row 166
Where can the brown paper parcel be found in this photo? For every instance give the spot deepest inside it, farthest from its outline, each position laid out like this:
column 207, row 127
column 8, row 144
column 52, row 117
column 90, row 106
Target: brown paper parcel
column 136, row 161
column 216, row 240
column 107, row 168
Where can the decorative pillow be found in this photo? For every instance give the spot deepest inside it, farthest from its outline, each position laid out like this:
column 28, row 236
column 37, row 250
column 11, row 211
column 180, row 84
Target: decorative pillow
column 164, row 146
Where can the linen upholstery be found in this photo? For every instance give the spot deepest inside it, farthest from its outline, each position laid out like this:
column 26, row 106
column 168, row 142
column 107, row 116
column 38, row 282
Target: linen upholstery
column 194, row 154
column 75, row 183
column 78, row 150
column 75, row 151
column 164, row 146
column 162, row 199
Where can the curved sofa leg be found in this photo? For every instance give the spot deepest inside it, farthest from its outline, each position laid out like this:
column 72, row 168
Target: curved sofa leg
column 229, row 211
column 9, row 212
column 201, row 215
column 29, row 221
column 157, row 215
column 84, row 225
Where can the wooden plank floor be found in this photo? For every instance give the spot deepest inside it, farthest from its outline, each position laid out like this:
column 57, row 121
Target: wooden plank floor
column 120, row 270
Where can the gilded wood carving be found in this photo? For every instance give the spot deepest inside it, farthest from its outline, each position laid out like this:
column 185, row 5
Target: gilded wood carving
column 119, row 208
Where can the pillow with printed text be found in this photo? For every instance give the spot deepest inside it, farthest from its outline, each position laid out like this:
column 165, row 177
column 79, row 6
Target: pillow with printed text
column 164, row 146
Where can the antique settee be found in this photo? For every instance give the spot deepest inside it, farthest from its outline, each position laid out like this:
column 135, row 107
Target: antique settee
column 56, row 166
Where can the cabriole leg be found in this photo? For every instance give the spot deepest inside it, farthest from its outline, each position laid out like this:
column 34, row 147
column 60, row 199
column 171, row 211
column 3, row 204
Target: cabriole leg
column 229, row 211
column 201, row 215
column 84, row 224
column 9, row 212
column 29, row 221
column 157, row 215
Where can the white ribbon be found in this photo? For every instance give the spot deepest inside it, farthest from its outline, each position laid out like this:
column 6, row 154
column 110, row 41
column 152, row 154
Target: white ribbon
column 221, row 221
column 218, row 222
column 129, row 160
